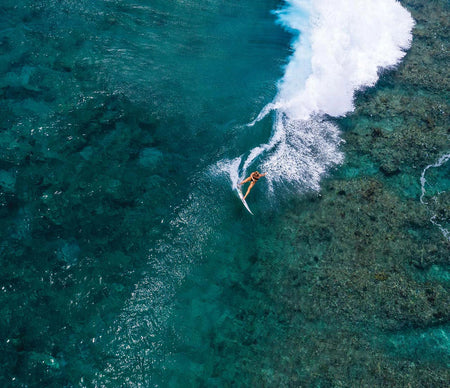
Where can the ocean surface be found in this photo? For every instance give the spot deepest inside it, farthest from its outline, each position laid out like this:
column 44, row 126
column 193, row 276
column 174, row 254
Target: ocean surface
column 127, row 258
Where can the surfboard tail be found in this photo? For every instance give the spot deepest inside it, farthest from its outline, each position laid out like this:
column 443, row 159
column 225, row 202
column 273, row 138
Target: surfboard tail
column 241, row 196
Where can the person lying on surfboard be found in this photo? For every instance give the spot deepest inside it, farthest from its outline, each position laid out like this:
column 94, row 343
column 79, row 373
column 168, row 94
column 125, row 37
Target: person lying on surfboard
column 254, row 176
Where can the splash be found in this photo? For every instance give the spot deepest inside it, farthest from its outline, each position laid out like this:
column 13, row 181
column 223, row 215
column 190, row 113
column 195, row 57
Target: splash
column 423, row 182
column 339, row 47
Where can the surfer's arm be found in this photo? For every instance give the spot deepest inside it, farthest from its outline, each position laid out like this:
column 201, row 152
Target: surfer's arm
column 247, row 180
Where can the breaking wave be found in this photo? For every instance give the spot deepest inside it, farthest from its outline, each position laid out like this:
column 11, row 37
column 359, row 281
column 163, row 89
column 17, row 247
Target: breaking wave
column 339, row 47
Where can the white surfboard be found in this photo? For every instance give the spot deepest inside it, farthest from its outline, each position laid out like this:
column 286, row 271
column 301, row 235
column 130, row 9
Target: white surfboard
column 241, row 196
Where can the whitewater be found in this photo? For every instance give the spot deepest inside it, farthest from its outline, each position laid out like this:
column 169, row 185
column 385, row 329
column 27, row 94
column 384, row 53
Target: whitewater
column 339, row 47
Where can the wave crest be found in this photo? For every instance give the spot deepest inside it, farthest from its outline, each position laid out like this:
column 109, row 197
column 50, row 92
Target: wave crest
column 339, row 47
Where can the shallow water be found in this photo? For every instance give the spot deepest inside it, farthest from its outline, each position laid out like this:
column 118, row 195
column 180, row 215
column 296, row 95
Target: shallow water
column 127, row 258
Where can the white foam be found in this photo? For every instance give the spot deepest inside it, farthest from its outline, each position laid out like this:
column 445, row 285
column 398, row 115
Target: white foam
column 230, row 168
column 442, row 160
column 304, row 151
column 340, row 47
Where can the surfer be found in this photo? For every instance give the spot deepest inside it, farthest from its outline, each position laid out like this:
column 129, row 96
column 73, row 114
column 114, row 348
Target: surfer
column 254, row 176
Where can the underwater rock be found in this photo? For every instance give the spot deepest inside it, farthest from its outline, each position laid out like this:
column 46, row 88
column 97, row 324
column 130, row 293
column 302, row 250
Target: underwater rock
column 38, row 108
column 87, row 152
column 21, row 79
column 361, row 277
column 377, row 132
column 438, row 273
column 69, row 252
column 148, row 124
column 113, row 186
column 7, row 181
column 431, row 344
column 150, row 157
column 389, row 168
column 41, row 358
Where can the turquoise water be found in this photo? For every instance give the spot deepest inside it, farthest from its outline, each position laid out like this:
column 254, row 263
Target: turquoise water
column 128, row 260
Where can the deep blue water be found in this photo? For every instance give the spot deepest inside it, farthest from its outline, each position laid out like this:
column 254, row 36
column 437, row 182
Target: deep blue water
column 127, row 258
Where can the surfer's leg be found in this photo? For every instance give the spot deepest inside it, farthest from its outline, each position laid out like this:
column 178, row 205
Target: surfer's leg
column 249, row 188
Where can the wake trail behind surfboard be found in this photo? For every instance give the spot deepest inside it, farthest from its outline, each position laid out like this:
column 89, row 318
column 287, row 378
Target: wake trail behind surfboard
column 232, row 168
